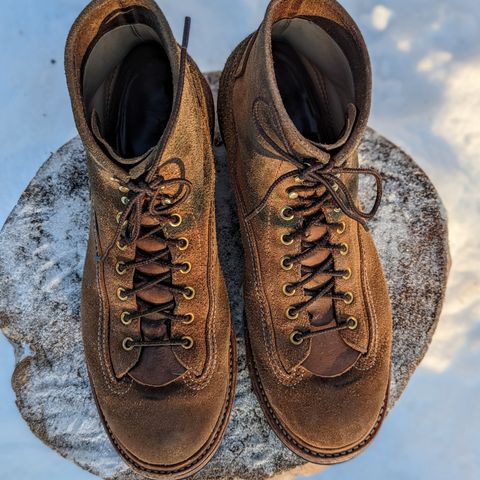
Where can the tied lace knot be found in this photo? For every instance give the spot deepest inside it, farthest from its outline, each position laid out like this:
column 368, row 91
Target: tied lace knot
column 318, row 172
column 159, row 206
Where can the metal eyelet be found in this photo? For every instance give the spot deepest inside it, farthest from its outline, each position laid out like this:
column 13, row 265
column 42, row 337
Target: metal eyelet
column 119, row 269
column 121, row 294
column 125, row 200
column 166, row 201
column 124, row 318
column 284, row 240
column 191, row 318
column 287, row 214
column 335, row 187
column 296, row 338
column 348, row 298
column 185, row 244
column 121, row 247
column 288, row 290
column 286, row 263
column 187, row 269
column 298, row 180
column 337, row 210
column 292, row 195
column 187, row 343
column 344, row 250
column 127, row 344
column 348, row 275
column 123, row 189
column 119, row 216
column 352, row 323
column 342, row 228
column 178, row 222
column 291, row 313
column 190, row 296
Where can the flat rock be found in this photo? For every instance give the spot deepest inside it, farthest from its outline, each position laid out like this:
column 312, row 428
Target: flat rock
column 42, row 246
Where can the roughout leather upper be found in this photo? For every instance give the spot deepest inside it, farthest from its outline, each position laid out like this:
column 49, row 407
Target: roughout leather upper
column 323, row 417
column 170, row 430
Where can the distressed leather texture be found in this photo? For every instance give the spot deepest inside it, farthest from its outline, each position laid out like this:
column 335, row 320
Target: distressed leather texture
column 165, row 408
column 326, row 397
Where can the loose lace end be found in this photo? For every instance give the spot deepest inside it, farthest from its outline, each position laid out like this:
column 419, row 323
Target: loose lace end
column 186, row 32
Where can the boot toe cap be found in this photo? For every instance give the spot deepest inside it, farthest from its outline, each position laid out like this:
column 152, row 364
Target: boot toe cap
column 163, row 433
column 330, row 417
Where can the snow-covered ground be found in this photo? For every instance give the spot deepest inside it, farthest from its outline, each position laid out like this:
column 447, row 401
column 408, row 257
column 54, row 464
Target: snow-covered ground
column 426, row 58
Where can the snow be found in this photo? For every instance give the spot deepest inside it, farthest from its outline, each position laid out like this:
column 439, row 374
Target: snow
column 426, row 58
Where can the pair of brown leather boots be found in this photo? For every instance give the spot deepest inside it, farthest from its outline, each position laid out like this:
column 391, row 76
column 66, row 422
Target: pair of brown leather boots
column 293, row 106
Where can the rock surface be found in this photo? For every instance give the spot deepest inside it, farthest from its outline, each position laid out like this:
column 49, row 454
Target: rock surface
column 42, row 247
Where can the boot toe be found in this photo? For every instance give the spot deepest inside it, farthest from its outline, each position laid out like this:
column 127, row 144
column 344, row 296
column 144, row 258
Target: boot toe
column 331, row 416
column 160, row 431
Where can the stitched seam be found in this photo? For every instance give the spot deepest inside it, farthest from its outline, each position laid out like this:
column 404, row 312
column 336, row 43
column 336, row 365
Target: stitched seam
column 101, row 338
column 286, row 379
column 193, row 382
column 370, row 362
column 201, row 382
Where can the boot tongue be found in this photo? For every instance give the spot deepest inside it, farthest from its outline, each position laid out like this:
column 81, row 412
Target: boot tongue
column 157, row 366
column 305, row 148
column 135, row 166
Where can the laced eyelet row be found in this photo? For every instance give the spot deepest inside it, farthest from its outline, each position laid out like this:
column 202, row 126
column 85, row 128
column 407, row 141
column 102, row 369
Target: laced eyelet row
column 126, row 318
column 136, row 196
column 297, row 337
column 123, row 297
column 289, row 289
column 129, row 344
column 311, row 175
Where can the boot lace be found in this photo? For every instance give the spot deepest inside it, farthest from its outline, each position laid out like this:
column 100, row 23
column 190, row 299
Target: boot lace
column 319, row 187
column 148, row 197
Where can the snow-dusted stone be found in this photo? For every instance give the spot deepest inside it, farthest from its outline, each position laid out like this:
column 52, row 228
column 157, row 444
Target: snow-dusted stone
column 42, row 248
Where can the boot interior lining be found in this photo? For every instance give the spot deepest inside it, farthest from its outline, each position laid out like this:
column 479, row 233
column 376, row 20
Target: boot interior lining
column 314, row 78
column 127, row 81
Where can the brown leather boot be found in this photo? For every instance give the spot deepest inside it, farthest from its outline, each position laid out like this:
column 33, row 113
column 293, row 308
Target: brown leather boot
column 294, row 104
column 158, row 337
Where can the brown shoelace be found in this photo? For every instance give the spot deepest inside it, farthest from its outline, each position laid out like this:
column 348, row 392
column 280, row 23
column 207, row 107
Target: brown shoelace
column 319, row 187
column 148, row 197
